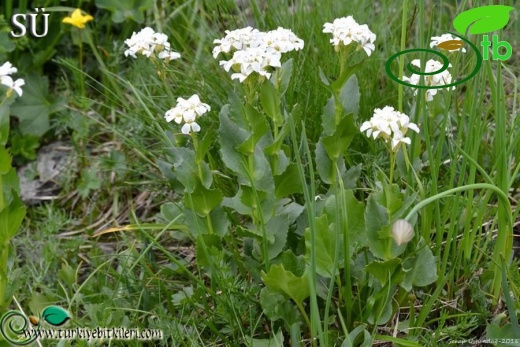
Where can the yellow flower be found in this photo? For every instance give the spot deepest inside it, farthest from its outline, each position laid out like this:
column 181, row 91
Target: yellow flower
column 77, row 19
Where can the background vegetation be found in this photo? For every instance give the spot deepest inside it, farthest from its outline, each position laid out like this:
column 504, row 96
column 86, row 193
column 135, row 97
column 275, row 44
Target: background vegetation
column 140, row 228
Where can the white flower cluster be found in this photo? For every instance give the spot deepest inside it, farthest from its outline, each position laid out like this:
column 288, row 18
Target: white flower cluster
column 5, row 71
column 439, row 79
column 187, row 111
column 436, row 40
column 390, row 125
column 148, row 42
column 255, row 51
column 346, row 30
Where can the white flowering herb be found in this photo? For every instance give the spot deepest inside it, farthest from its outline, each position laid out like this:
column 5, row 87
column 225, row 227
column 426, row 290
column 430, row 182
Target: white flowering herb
column 254, row 51
column 390, row 125
column 6, row 70
column 439, row 79
column 150, row 43
column 402, row 231
column 346, row 30
column 187, row 112
column 438, row 40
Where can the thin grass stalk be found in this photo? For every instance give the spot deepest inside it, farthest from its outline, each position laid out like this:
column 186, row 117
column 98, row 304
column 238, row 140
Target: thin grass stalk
column 504, row 239
column 309, row 191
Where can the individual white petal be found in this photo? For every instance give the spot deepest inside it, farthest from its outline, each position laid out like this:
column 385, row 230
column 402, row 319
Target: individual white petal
column 413, row 127
column 366, row 125
column 185, row 129
column 195, row 127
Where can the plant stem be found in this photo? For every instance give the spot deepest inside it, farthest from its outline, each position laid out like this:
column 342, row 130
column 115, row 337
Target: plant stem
column 401, row 58
column 82, row 78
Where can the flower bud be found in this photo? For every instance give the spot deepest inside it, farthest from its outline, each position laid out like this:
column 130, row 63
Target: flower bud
column 402, row 231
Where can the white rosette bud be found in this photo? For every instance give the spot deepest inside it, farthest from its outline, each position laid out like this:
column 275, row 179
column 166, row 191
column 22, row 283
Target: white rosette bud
column 402, row 231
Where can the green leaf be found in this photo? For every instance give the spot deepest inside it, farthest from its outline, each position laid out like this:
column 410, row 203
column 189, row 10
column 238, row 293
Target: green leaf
column 420, row 270
column 288, row 182
column 376, row 220
column 35, row 106
column 325, row 242
column 280, row 280
column 293, row 263
column 232, row 136
column 55, row 315
column 349, row 96
column 186, row 169
column 128, row 9
column 5, row 161
column 6, row 45
column 275, row 341
column 381, row 303
column 356, row 228
column 258, row 126
column 351, row 177
column 197, row 225
column 4, row 123
column 343, row 80
column 205, row 144
column 383, row 270
column 89, row 181
column 483, row 19
column 282, row 76
column 11, row 218
column 337, row 144
column 270, row 102
column 277, row 228
column 328, row 121
column 324, row 164
column 204, row 200
column 323, row 77
column 170, row 211
column 204, row 244
column 277, row 306
column 11, row 186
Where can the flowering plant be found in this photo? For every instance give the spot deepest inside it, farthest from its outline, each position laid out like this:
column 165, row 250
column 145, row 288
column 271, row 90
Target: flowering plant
column 439, row 79
column 150, row 43
column 346, row 30
column 255, row 51
column 187, row 111
column 12, row 210
column 6, row 70
column 390, row 125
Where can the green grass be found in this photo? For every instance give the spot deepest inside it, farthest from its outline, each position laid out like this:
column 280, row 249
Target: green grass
column 216, row 277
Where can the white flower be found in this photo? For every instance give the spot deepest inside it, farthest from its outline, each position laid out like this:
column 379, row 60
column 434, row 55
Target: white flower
column 7, row 69
column 436, row 40
column 14, row 85
column 252, row 60
column 235, row 40
column 147, row 42
column 279, row 40
column 255, row 51
column 346, row 30
column 402, row 231
column 439, row 79
column 390, row 125
column 188, row 111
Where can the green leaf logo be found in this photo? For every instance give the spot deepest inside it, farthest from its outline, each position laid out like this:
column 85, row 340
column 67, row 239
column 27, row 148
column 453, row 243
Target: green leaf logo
column 482, row 19
column 55, row 315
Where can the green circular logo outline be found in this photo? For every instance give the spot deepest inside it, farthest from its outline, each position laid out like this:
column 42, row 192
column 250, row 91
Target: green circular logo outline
column 444, row 66
column 20, row 331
